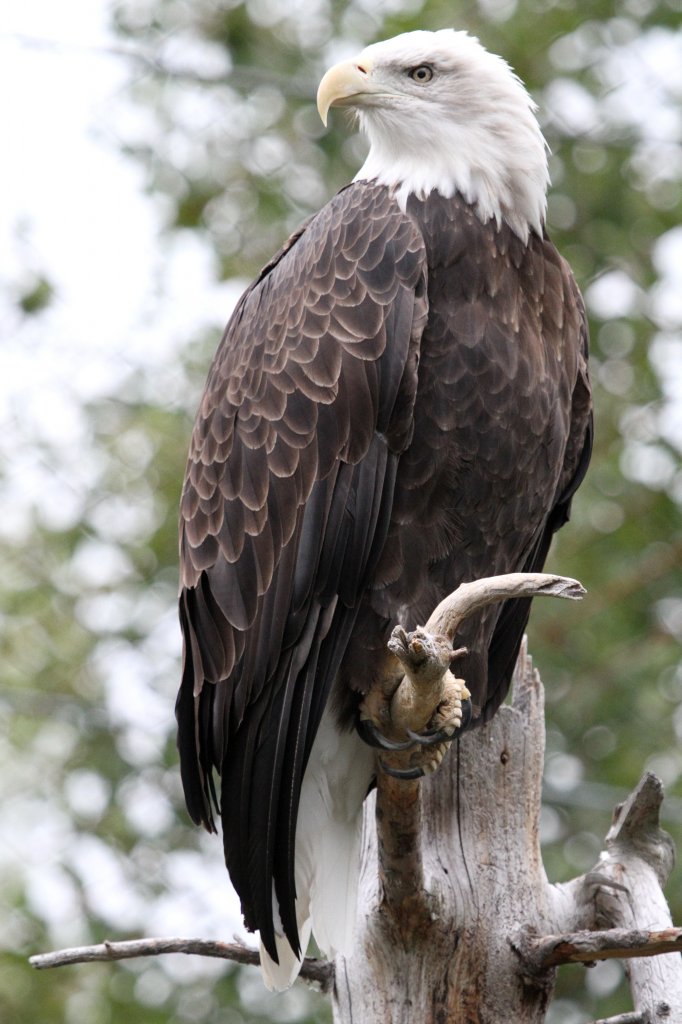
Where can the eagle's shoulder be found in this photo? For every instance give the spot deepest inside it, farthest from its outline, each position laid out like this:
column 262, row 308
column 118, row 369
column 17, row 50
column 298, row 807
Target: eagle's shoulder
column 317, row 344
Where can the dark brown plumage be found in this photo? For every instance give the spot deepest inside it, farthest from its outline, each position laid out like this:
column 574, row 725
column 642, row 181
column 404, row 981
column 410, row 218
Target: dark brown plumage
column 400, row 403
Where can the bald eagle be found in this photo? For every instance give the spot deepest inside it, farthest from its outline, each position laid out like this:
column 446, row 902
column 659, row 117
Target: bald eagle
column 399, row 403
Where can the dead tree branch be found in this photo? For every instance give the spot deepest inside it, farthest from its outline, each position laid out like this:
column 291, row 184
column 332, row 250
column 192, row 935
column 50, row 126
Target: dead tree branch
column 313, row 970
column 470, row 597
column 427, row 676
column 587, row 946
column 639, row 857
column 479, row 851
column 425, row 656
column 622, row 1018
column 400, row 707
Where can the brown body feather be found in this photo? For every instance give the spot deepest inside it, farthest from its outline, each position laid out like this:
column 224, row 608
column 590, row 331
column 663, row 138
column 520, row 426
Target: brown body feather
column 400, row 403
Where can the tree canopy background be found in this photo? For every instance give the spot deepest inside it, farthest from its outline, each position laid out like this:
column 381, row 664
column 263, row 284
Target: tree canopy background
column 215, row 113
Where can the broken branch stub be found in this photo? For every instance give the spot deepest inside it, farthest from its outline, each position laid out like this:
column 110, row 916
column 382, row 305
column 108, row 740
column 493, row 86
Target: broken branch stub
column 425, row 658
column 429, row 695
column 469, row 597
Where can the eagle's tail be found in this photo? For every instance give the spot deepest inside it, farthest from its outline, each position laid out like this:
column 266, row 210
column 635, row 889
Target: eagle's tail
column 278, row 977
column 328, row 837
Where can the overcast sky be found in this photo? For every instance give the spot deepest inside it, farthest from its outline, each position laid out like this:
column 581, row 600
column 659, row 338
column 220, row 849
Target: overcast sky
column 75, row 211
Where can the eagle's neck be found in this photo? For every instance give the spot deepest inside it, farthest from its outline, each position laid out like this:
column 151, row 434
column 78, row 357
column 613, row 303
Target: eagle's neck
column 498, row 165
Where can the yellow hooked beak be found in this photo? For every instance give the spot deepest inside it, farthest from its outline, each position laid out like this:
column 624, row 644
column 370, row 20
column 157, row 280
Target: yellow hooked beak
column 342, row 85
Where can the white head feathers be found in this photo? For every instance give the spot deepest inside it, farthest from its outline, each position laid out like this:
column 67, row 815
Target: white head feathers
column 442, row 113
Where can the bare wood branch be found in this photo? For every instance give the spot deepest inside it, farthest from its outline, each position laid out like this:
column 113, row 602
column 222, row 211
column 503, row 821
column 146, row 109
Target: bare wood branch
column 313, row 970
column 636, row 828
column 426, row 662
column 426, row 654
column 622, row 1018
column 638, row 859
column 469, row 597
column 586, row 946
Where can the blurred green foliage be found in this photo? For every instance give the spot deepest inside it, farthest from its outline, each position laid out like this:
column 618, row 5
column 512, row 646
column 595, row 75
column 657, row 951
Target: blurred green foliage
column 36, row 296
column 233, row 149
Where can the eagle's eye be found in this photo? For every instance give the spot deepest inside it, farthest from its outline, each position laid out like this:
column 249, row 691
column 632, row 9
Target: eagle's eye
column 423, row 73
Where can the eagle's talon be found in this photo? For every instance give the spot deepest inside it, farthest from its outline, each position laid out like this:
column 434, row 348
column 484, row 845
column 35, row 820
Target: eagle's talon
column 446, row 733
column 431, row 736
column 368, row 732
column 403, row 773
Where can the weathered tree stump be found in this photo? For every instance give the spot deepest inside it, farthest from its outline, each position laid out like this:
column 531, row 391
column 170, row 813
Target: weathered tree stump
column 458, row 922
column 443, row 952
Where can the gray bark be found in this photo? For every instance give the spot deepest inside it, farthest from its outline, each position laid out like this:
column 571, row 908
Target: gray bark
column 639, row 858
column 444, row 952
column 458, row 922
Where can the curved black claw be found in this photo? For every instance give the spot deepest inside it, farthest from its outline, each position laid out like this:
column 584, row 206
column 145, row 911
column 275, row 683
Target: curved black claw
column 368, row 732
column 432, row 736
column 403, row 773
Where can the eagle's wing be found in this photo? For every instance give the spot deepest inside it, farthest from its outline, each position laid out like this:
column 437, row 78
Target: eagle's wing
column 513, row 617
column 284, row 513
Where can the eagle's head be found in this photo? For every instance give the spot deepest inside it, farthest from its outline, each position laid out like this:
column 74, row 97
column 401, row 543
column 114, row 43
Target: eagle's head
column 442, row 113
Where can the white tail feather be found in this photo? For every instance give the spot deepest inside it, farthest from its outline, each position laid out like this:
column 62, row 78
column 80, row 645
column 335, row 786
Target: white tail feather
column 334, row 891
column 278, row 977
